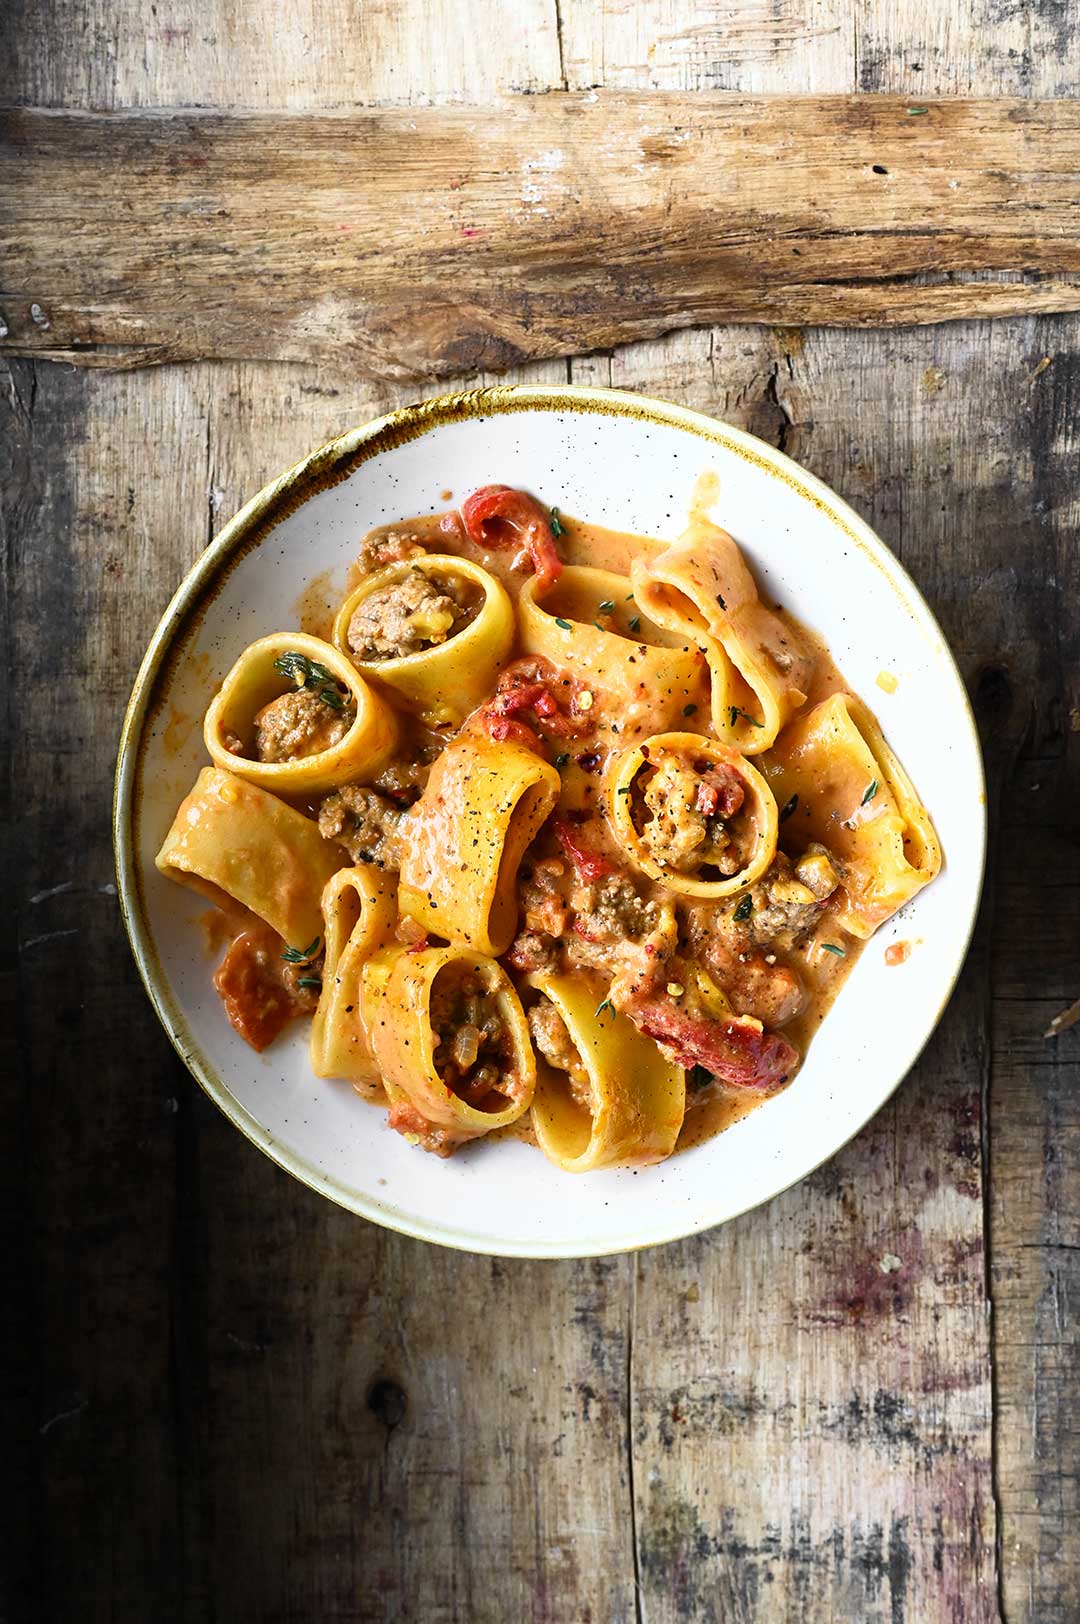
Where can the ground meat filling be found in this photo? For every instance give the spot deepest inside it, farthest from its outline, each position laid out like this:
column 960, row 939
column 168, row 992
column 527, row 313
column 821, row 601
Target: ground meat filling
column 474, row 1047
column 301, row 723
column 610, row 910
column 553, row 1041
column 384, row 547
column 409, row 616
column 366, row 823
column 689, row 814
column 789, row 899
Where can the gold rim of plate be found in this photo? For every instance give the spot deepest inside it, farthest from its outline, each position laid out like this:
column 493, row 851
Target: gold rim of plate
column 327, row 466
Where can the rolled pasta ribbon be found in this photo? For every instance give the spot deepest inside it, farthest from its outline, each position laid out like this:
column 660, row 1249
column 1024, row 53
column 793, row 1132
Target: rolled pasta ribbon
column 622, row 1103
column 483, row 804
column 703, row 820
column 230, row 839
column 445, row 681
column 341, row 749
column 649, row 672
column 434, row 1061
column 761, row 671
column 359, row 912
column 856, row 799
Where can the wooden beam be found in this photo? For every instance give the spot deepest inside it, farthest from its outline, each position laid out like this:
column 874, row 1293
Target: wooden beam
column 419, row 242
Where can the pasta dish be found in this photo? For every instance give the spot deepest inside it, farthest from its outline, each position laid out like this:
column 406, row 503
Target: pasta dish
column 552, row 832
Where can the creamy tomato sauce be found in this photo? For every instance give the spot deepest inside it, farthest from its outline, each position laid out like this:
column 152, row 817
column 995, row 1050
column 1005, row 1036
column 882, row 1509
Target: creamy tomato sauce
column 727, row 967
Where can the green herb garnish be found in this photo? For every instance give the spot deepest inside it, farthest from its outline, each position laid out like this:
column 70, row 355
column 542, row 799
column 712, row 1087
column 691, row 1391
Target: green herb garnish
column 788, row 808
column 563, row 625
column 634, row 623
column 830, row 947
column 871, row 791
column 607, row 607
column 310, row 674
column 734, row 712
column 916, row 112
column 744, row 910
column 561, row 759
column 314, row 982
column 605, row 1003
column 300, row 955
column 557, row 527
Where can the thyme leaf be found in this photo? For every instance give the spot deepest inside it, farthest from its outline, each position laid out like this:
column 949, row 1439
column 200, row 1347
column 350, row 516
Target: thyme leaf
column 310, row 674
column 557, row 526
column 744, row 910
column 734, row 712
column 871, row 791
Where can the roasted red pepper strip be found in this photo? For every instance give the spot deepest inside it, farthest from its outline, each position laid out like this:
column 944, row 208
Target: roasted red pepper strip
column 734, row 1051
column 526, row 687
column 497, row 516
column 589, row 864
column 259, row 992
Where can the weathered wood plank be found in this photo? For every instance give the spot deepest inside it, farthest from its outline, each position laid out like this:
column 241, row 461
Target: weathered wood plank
column 428, row 241
column 90, row 1118
column 318, row 54
column 812, row 1390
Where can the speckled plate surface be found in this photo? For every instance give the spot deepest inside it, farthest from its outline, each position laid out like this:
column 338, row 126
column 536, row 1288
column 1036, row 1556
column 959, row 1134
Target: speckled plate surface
column 628, row 463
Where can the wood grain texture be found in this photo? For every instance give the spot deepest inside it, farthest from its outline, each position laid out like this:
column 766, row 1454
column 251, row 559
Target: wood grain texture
column 430, row 241
column 281, row 1414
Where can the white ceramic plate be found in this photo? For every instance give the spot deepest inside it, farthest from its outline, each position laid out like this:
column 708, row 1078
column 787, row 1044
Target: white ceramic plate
column 628, row 463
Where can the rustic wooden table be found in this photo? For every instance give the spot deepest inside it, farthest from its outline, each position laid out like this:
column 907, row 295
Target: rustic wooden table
column 225, row 1398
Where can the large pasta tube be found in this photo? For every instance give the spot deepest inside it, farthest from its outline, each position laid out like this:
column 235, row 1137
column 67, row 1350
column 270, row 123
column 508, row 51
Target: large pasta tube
column 618, row 1102
column 693, row 813
column 761, row 670
column 855, row 798
column 230, row 839
column 453, row 622
column 464, row 839
column 334, row 726
column 590, row 625
column 450, row 1038
column 358, row 919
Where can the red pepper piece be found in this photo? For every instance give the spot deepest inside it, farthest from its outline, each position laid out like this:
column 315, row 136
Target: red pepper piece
column 497, row 517
column 734, row 1050
column 589, row 864
column 720, row 792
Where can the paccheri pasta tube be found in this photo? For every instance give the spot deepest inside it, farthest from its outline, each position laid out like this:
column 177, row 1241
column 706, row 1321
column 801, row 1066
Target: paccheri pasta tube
column 231, row 839
column 359, row 913
column 605, row 1095
column 761, row 670
column 294, row 716
column 483, row 804
column 435, row 629
column 693, row 813
column 590, row 625
column 449, row 1034
column 852, row 795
